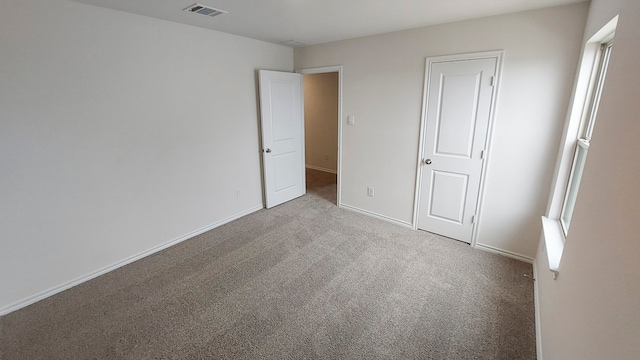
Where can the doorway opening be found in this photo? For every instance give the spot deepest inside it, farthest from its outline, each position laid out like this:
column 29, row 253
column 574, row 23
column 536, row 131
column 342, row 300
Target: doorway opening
column 322, row 114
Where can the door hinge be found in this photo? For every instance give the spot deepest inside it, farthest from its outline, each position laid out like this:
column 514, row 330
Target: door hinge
column 482, row 154
column 493, row 81
column 473, row 219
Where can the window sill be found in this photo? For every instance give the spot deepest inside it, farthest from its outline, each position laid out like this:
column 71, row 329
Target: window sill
column 554, row 243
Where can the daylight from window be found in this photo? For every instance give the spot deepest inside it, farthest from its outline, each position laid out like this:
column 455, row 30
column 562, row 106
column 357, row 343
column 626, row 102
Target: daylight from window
column 584, row 138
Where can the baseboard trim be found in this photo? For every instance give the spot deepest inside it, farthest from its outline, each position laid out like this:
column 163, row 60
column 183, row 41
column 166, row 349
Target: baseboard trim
column 92, row 275
column 312, row 167
column 377, row 216
column 506, row 253
column 536, row 305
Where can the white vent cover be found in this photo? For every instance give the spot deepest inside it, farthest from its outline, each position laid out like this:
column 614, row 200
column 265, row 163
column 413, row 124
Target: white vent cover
column 204, row 10
column 292, row 43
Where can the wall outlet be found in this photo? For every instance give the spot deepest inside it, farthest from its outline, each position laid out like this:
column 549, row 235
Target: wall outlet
column 370, row 191
column 238, row 193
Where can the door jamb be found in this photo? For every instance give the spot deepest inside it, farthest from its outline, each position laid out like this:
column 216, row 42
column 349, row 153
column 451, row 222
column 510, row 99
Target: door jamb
column 499, row 56
column 331, row 69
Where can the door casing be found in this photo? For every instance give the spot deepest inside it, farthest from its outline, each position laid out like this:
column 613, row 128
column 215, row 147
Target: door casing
column 499, row 56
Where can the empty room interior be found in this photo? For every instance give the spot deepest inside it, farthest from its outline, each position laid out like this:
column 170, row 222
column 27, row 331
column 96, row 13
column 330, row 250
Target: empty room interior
column 319, row 179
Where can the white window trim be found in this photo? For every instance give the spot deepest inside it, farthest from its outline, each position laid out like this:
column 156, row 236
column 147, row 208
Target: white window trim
column 584, row 145
column 552, row 232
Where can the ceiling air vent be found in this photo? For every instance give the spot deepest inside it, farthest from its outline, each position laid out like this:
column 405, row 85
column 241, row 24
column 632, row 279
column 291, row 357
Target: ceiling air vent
column 292, row 43
column 204, row 10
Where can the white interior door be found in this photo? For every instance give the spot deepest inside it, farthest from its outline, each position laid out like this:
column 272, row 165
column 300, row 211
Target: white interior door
column 459, row 96
column 282, row 120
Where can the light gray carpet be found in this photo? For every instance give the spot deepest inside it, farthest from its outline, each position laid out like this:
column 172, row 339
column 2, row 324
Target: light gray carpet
column 302, row 280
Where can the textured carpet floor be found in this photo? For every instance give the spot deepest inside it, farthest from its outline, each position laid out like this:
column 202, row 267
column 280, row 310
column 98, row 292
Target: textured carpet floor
column 302, row 280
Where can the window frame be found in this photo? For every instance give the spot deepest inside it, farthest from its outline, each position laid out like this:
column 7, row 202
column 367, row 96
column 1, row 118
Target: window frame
column 585, row 134
column 553, row 236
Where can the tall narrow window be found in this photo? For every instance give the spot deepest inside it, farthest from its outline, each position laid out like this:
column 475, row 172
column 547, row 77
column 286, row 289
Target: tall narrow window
column 584, row 138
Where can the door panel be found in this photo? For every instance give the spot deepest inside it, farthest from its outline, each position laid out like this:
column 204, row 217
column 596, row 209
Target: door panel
column 285, row 170
column 283, row 103
column 448, row 192
column 282, row 122
column 457, row 115
column 459, row 95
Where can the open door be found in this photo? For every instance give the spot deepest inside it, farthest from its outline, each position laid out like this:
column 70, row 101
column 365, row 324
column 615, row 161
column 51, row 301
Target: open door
column 281, row 116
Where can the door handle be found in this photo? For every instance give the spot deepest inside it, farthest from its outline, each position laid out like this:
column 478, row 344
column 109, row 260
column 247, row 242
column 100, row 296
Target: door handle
column 427, row 161
column 267, row 150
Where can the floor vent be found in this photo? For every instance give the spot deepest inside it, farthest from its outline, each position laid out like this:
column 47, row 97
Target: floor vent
column 204, row 10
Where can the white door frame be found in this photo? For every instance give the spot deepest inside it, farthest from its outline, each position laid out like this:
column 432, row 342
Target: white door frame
column 499, row 56
column 331, row 69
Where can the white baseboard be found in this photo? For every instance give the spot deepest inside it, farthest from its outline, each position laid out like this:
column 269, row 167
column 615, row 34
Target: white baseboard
column 312, row 167
column 377, row 216
column 506, row 253
column 92, row 275
column 536, row 304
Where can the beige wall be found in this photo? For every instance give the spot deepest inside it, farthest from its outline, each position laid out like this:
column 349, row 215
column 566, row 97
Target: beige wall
column 592, row 311
column 383, row 78
column 321, row 121
column 119, row 133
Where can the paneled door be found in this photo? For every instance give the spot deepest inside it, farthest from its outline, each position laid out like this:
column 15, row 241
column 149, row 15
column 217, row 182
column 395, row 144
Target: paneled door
column 282, row 119
column 458, row 101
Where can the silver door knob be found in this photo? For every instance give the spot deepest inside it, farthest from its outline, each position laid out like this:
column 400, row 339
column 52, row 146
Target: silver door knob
column 427, row 161
column 267, row 150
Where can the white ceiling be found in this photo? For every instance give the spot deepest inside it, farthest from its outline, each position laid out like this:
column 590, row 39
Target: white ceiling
column 319, row 21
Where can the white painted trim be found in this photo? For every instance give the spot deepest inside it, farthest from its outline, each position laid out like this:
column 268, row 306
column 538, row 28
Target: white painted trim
column 499, row 56
column 312, row 167
column 577, row 111
column 423, row 125
column 506, row 253
column 553, row 243
column 377, row 216
column 303, row 138
column 94, row 274
column 329, row 69
column 536, row 305
column 320, row 70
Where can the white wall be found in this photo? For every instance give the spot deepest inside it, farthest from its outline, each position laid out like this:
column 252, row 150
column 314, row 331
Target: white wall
column 592, row 310
column 321, row 121
column 118, row 133
column 382, row 86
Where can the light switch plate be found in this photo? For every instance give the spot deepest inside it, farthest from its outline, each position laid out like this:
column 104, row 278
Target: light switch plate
column 351, row 120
